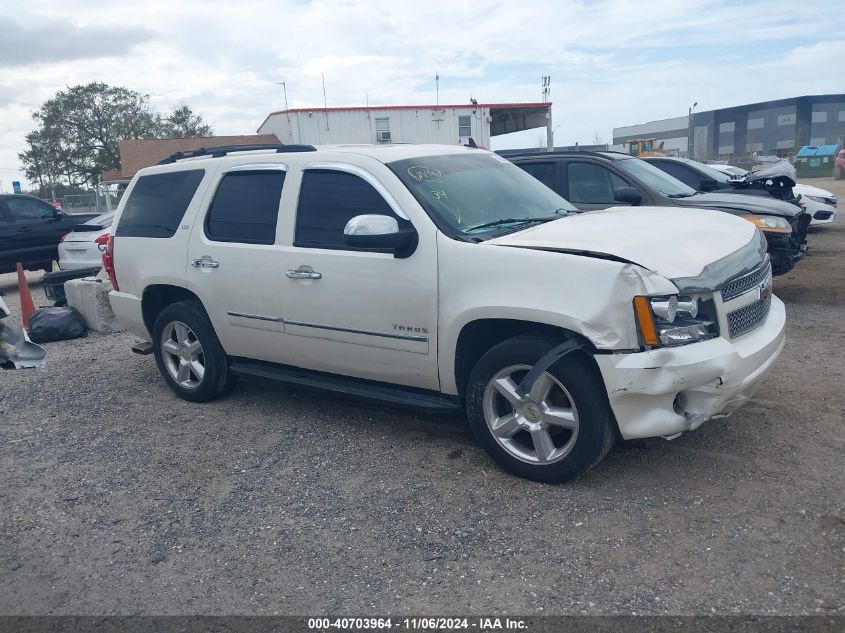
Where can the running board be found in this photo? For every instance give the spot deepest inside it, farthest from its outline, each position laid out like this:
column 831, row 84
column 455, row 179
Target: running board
column 405, row 397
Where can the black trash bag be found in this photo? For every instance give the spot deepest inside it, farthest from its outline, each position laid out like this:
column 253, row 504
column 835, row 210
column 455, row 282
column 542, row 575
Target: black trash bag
column 56, row 324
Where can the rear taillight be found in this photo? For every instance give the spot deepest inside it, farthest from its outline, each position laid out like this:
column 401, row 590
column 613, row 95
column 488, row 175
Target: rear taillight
column 102, row 241
column 108, row 261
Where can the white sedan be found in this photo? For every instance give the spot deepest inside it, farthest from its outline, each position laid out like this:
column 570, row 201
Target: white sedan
column 819, row 203
column 83, row 247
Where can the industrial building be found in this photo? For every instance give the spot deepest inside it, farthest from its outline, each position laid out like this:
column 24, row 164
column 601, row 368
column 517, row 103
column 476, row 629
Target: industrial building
column 778, row 127
column 444, row 124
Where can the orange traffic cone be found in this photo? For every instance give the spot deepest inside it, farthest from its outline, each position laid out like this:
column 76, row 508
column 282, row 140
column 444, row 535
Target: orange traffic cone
column 27, row 306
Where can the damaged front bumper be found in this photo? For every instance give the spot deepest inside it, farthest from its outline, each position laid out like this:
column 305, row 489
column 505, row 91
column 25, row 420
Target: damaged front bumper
column 785, row 251
column 663, row 392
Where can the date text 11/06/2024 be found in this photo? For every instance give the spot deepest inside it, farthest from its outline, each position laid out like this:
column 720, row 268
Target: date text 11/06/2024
column 417, row 624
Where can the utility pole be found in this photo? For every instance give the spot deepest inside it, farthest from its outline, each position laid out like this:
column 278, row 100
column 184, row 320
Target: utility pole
column 325, row 103
column 550, row 133
column 436, row 88
column 287, row 113
column 690, row 132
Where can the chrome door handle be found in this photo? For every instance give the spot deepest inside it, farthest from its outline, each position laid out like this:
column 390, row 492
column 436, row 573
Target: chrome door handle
column 303, row 274
column 204, row 262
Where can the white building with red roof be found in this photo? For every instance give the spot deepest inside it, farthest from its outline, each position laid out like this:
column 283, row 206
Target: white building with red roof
column 440, row 124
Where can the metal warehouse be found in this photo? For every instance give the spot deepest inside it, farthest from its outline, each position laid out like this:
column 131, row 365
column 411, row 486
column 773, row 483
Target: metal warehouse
column 772, row 127
column 446, row 124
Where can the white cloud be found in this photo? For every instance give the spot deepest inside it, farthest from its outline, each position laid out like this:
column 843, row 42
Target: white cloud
column 612, row 63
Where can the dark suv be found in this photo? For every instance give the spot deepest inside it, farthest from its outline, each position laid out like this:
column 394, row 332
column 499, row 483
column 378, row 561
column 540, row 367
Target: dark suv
column 598, row 180
column 30, row 231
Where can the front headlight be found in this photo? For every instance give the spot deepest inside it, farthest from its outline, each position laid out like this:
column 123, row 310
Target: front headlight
column 769, row 223
column 822, row 199
column 673, row 320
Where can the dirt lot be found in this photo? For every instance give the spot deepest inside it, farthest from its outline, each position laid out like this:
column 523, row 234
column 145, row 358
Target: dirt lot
column 118, row 498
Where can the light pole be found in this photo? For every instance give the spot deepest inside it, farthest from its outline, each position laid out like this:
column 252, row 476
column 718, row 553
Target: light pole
column 287, row 112
column 690, row 139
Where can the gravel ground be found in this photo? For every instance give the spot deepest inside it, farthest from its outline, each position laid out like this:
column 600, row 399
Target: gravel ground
column 118, row 498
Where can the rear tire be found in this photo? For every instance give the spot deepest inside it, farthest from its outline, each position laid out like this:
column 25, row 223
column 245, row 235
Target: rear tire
column 561, row 430
column 188, row 353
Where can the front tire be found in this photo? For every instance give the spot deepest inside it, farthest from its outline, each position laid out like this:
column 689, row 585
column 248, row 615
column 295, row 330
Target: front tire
column 559, row 431
column 188, row 353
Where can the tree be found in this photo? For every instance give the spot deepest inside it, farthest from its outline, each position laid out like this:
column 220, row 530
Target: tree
column 183, row 123
column 78, row 132
column 597, row 139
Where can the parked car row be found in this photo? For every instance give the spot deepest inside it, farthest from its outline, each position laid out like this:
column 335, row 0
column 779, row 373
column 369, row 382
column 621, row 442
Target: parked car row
column 29, row 229
column 598, row 180
column 777, row 180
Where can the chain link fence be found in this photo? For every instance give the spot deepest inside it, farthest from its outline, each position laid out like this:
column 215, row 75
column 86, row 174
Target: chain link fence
column 94, row 202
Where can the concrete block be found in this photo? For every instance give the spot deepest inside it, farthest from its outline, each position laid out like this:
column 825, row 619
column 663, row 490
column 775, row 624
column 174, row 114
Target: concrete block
column 90, row 296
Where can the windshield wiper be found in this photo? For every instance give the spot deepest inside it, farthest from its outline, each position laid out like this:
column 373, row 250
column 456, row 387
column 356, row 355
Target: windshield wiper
column 497, row 223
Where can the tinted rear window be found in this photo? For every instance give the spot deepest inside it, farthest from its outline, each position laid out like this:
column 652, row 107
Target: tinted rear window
column 157, row 204
column 246, row 207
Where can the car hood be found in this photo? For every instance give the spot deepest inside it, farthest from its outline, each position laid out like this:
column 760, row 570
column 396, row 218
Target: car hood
column 740, row 203
column 675, row 243
column 781, row 171
column 810, row 190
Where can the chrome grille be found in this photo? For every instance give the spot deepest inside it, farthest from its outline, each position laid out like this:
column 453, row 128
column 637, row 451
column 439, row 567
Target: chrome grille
column 749, row 317
column 741, row 285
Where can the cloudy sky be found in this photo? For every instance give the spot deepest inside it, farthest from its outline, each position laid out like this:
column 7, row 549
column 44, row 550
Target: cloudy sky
column 612, row 63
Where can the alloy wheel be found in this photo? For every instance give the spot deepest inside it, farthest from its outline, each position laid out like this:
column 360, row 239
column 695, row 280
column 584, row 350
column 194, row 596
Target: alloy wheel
column 182, row 354
column 540, row 428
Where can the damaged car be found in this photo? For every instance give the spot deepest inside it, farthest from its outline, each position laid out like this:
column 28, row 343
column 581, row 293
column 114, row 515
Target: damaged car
column 819, row 203
column 600, row 180
column 446, row 279
column 16, row 350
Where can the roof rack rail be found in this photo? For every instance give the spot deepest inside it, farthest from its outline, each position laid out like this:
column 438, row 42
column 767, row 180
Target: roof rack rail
column 222, row 150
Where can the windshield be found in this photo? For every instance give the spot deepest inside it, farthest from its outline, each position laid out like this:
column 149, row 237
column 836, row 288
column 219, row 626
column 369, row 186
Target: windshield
column 478, row 192
column 709, row 172
column 655, row 178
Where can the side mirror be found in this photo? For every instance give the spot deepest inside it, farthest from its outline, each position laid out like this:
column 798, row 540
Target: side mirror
column 628, row 195
column 708, row 184
column 380, row 232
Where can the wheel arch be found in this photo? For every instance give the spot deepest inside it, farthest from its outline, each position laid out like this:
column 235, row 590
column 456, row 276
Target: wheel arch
column 480, row 335
column 156, row 297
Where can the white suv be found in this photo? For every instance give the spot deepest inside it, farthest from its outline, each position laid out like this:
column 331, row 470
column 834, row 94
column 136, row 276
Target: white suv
column 445, row 278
